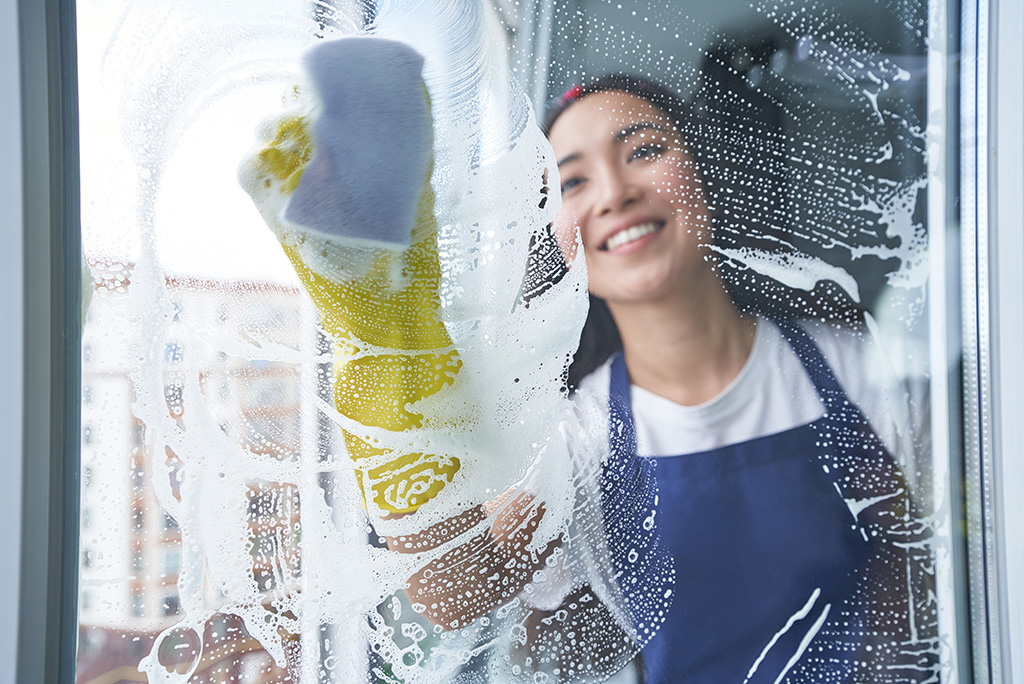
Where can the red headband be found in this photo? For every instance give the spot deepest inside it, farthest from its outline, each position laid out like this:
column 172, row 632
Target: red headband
column 572, row 94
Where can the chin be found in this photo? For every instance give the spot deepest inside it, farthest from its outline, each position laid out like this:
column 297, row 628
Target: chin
column 636, row 295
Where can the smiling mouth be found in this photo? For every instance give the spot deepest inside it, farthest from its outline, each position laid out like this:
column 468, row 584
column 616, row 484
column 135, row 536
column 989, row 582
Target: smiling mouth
column 632, row 234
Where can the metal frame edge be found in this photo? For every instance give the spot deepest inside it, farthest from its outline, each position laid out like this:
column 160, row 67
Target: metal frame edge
column 47, row 616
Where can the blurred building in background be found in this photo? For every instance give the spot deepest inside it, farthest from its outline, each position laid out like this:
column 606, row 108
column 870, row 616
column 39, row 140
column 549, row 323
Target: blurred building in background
column 130, row 546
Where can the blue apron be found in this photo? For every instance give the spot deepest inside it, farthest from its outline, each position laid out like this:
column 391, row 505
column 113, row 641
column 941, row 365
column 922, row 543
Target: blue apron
column 776, row 578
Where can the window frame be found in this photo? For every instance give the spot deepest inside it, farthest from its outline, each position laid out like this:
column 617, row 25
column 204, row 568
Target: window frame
column 50, row 328
column 12, row 309
column 992, row 191
column 42, row 347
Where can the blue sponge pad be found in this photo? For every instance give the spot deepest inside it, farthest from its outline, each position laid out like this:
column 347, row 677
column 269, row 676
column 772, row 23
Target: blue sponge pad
column 372, row 142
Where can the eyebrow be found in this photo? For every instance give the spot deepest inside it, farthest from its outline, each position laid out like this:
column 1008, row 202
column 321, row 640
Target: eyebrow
column 569, row 158
column 620, row 137
column 640, row 126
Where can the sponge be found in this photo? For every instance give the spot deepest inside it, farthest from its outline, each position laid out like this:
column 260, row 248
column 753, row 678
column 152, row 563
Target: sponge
column 372, row 142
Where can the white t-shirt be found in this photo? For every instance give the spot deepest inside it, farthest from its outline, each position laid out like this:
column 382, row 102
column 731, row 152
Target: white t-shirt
column 771, row 394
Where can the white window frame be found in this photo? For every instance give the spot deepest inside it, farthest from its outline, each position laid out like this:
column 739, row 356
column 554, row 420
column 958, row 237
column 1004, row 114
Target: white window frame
column 992, row 192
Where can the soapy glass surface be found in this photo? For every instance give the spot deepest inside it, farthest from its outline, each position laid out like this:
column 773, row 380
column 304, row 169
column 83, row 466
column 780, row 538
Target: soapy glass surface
column 247, row 511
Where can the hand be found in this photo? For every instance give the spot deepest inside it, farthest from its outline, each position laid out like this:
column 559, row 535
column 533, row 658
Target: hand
column 483, row 573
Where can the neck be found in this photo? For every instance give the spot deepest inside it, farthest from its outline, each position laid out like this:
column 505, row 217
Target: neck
column 685, row 348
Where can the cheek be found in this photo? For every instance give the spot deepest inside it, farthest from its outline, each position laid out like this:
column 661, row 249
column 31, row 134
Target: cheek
column 686, row 193
column 598, row 281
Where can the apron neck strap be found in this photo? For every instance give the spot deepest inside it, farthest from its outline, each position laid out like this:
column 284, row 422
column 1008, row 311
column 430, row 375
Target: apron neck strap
column 621, row 432
column 619, row 381
column 817, row 368
column 806, row 349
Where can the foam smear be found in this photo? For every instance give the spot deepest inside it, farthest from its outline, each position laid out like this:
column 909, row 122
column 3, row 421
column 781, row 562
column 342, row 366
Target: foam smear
column 369, row 456
column 416, row 491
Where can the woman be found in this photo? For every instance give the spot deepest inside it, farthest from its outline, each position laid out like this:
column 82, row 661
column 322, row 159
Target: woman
column 788, row 518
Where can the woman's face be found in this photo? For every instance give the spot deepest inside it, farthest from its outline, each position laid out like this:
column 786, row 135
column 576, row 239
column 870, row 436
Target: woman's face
column 631, row 187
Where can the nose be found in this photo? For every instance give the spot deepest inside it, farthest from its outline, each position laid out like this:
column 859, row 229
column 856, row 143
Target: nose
column 617, row 191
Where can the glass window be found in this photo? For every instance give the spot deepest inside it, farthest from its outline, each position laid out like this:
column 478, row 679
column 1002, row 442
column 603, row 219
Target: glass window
column 170, row 605
column 172, row 561
column 526, row 341
column 138, row 605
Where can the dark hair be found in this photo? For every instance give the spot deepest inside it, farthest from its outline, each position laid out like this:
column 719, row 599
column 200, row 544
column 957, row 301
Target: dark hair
column 714, row 132
column 681, row 113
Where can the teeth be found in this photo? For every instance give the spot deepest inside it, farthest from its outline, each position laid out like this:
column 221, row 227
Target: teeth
column 630, row 234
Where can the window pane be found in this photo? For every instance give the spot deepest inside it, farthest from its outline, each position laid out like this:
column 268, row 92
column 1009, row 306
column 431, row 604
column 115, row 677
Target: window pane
column 392, row 438
column 823, row 139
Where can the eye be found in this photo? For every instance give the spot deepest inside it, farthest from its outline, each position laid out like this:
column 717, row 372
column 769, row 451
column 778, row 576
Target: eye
column 571, row 182
column 647, row 151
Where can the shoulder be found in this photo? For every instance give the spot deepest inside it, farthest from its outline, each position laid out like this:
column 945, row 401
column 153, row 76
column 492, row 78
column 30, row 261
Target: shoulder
column 591, row 407
column 891, row 397
column 591, row 398
column 595, row 384
column 844, row 351
column 858, row 359
column 843, row 347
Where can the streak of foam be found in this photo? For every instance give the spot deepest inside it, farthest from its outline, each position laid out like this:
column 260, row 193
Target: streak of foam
column 799, row 271
column 896, row 212
column 804, row 643
column 804, row 611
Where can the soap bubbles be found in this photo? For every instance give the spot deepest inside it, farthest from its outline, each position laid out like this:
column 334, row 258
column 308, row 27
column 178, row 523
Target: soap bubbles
column 372, row 459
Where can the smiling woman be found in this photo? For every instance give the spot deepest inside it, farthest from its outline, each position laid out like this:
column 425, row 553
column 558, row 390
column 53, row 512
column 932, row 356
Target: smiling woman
column 635, row 160
column 629, row 182
column 786, row 513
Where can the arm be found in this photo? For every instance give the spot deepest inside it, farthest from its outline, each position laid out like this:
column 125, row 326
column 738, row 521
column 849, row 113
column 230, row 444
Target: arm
column 381, row 306
column 378, row 300
column 488, row 570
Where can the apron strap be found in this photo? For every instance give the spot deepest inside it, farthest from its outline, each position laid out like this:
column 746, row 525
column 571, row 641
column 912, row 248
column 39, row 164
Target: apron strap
column 642, row 565
column 806, row 349
column 830, row 391
column 863, row 469
column 619, row 384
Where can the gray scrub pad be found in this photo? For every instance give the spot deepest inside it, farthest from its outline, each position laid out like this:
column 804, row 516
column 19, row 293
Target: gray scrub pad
column 372, row 142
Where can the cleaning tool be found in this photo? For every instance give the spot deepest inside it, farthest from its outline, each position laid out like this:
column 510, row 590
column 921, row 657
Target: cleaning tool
column 346, row 189
column 372, row 139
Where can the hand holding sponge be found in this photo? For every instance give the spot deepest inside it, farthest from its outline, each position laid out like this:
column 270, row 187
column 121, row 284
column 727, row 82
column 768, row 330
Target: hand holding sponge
column 357, row 173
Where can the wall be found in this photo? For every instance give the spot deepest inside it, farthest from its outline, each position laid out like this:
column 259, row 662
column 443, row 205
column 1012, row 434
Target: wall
column 11, row 342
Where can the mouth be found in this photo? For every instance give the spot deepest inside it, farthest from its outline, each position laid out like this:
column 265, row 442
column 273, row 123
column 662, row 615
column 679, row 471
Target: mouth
column 631, row 234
